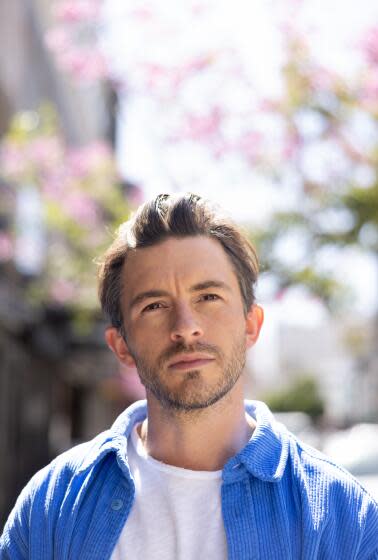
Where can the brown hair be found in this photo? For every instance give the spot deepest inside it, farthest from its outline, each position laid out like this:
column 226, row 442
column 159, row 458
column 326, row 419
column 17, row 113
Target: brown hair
column 174, row 216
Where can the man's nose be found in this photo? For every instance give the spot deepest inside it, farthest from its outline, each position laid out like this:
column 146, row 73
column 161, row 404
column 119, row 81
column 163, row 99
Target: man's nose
column 186, row 326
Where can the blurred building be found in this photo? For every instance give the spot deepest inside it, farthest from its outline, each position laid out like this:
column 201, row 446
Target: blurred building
column 56, row 388
column 340, row 354
column 29, row 76
column 51, row 380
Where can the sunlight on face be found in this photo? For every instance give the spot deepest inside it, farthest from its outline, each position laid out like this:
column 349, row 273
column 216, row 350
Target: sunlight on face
column 184, row 321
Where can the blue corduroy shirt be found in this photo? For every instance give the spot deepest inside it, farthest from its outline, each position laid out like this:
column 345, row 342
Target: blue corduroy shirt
column 280, row 500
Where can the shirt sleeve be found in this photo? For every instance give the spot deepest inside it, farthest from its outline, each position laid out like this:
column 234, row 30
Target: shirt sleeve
column 14, row 542
column 369, row 542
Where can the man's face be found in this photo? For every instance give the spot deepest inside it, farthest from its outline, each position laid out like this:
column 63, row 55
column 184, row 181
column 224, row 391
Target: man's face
column 184, row 321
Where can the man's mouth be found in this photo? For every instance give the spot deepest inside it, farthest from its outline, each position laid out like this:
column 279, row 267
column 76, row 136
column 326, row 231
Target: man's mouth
column 190, row 362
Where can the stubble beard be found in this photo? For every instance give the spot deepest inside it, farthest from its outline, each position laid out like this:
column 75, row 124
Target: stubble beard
column 195, row 391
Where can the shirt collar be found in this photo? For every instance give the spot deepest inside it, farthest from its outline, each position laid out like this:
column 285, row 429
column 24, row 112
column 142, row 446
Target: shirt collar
column 264, row 456
column 115, row 439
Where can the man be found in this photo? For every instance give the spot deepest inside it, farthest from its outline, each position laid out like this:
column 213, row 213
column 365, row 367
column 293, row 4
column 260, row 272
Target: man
column 193, row 473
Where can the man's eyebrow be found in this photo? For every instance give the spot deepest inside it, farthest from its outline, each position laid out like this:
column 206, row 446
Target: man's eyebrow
column 210, row 284
column 162, row 293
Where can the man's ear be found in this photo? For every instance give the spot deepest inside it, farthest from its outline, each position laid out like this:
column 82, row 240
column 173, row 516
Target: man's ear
column 117, row 344
column 253, row 324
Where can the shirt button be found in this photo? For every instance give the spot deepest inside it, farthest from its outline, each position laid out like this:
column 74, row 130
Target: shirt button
column 116, row 505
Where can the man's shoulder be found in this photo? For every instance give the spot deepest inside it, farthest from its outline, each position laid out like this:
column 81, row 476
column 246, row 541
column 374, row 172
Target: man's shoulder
column 324, row 486
column 306, row 466
column 313, row 465
column 274, row 452
column 72, row 469
column 332, row 498
column 53, row 481
column 71, row 462
column 54, row 489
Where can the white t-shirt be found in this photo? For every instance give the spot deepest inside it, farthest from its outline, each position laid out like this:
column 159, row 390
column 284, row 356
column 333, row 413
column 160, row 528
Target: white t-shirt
column 176, row 514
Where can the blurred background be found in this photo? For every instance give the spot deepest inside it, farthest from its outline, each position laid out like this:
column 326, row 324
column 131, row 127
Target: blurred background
column 268, row 108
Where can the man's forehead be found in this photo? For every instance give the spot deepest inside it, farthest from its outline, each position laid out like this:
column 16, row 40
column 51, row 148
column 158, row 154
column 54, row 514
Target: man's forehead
column 190, row 259
column 183, row 251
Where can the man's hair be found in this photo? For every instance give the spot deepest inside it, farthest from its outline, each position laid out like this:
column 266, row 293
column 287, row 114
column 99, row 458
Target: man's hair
column 175, row 216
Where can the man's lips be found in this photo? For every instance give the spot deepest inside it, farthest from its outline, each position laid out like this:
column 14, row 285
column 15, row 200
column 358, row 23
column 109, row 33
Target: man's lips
column 187, row 362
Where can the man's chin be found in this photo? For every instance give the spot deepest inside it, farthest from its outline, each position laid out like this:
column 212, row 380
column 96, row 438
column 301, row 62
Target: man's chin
column 189, row 403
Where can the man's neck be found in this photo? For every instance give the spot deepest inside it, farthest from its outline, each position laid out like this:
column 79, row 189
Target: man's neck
column 198, row 440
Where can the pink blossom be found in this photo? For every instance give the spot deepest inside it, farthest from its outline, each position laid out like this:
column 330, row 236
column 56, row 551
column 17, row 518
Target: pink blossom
column 323, row 79
column 85, row 64
column 85, row 160
column 143, row 13
column 198, row 9
column 53, row 185
column 203, row 127
column 370, row 45
column 160, row 77
column 295, row 37
column 369, row 92
column 280, row 294
column 219, row 148
column 12, row 159
column 77, row 162
column 95, row 237
column 249, row 144
column 292, row 144
column 62, row 291
column 197, row 64
column 206, row 128
column 81, row 207
column 268, row 105
column 40, row 155
column 6, row 247
column 45, row 151
column 57, row 39
column 176, row 76
column 73, row 11
column 352, row 151
column 99, row 152
column 135, row 196
column 155, row 75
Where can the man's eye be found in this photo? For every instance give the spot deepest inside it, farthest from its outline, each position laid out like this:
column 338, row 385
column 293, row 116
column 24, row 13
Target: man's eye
column 210, row 297
column 152, row 307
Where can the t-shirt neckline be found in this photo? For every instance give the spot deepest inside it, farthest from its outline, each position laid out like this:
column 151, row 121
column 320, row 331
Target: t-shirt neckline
column 164, row 467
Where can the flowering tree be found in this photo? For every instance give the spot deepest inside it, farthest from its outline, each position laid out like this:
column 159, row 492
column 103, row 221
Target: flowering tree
column 74, row 199
column 73, row 39
column 315, row 140
column 192, row 89
column 331, row 157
